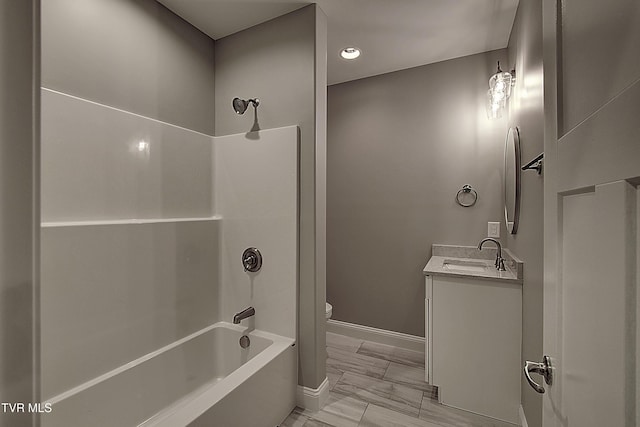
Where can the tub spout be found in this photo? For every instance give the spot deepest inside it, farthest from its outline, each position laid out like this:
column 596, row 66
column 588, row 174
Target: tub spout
column 247, row 312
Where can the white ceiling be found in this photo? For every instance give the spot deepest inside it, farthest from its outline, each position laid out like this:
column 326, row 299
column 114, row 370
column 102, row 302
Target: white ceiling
column 392, row 34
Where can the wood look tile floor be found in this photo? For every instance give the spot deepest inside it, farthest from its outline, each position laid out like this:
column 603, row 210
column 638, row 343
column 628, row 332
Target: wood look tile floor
column 376, row 385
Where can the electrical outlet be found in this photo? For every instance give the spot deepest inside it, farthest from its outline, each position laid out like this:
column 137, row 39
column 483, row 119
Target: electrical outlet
column 493, row 229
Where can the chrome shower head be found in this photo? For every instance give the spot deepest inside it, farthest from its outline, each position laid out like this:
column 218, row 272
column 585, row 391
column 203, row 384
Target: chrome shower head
column 240, row 105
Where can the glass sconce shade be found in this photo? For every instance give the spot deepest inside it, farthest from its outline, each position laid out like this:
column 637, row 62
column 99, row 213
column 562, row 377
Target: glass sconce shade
column 499, row 91
column 500, row 84
column 494, row 106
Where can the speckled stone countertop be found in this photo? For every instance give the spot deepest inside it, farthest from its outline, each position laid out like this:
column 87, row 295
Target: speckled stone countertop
column 445, row 257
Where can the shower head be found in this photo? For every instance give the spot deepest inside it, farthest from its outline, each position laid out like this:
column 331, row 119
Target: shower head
column 240, row 105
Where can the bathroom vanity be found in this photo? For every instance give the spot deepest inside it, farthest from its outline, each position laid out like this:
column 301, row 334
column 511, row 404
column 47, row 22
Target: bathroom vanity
column 473, row 327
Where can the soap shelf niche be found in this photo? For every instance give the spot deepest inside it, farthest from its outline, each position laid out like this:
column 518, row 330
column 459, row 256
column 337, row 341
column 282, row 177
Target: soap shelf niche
column 535, row 164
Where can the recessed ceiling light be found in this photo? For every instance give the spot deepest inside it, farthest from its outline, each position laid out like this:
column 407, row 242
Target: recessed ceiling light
column 350, row 52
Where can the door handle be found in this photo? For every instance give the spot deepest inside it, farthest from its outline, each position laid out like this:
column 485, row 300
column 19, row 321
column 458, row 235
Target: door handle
column 543, row 368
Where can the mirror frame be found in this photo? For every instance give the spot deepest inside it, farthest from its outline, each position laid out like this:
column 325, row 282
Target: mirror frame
column 512, row 134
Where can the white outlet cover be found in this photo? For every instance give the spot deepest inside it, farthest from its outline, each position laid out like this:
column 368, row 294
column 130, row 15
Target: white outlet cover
column 493, row 229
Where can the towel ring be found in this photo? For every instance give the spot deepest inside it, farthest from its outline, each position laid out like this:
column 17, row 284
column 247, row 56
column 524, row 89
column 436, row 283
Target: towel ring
column 467, row 189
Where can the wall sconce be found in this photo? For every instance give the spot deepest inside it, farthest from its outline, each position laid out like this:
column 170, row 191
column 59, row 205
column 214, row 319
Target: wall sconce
column 499, row 91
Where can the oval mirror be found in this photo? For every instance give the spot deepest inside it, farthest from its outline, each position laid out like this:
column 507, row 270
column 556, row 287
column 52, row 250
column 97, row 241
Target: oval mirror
column 512, row 179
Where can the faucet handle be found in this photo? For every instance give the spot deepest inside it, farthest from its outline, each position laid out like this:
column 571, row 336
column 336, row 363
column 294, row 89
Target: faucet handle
column 500, row 265
column 251, row 260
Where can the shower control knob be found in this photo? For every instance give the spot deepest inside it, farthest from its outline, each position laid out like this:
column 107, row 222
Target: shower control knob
column 251, row 260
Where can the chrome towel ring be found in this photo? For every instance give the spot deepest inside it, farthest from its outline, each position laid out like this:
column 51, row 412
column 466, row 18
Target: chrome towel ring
column 461, row 196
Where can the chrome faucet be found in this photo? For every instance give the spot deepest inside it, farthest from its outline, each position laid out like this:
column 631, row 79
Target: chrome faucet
column 499, row 260
column 247, row 312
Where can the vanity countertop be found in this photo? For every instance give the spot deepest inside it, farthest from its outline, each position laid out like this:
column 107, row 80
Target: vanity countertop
column 469, row 262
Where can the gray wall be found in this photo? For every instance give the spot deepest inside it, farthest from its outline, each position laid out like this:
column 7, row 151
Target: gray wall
column 526, row 112
column 19, row 77
column 277, row 62
column 400, row 146
column 134, row 55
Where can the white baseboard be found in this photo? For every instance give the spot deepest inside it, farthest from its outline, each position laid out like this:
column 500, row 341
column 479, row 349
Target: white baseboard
column 313, row 399
column 523, row 419
column 382, row 336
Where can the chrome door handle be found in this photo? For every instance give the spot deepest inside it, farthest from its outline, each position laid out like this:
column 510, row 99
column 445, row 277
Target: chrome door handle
column 543, row 368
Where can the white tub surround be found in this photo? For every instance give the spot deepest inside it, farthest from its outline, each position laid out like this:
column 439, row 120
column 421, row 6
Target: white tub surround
column 256, row 192
column 144, row 226
column 114, row 292
column 102, row 163
column 129, row 238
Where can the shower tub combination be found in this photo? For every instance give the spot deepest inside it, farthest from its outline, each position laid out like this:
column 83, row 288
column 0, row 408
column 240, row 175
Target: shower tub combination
column 204, row 379
column 136, row 290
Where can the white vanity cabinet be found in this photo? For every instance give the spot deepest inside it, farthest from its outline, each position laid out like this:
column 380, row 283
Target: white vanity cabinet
column 473, row 338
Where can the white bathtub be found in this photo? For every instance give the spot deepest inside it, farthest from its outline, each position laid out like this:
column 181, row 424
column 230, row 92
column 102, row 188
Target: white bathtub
column 205, row 379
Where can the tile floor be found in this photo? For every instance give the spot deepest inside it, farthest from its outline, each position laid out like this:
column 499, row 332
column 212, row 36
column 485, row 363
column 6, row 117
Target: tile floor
column 375, row 385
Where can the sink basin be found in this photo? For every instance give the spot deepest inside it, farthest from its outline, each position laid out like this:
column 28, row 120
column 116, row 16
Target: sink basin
column 462, row 265
column 467, row 262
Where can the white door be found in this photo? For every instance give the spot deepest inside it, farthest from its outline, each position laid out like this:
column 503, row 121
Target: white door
column 592, row 203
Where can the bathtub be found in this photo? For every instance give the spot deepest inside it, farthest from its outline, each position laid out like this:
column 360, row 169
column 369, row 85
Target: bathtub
column 204, row 379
